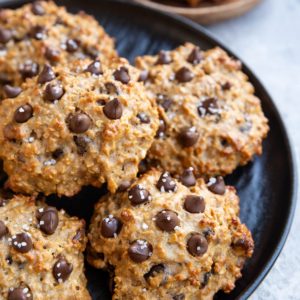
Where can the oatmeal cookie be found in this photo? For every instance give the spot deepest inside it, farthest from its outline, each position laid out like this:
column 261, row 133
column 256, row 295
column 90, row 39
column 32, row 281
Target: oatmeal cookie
column 42, row 32
column 40, row 252
column 210, row 118
column 73, row 127
column 167, row 241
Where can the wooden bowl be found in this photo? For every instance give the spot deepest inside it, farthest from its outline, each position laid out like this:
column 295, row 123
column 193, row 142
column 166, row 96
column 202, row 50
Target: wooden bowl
column 206, row 13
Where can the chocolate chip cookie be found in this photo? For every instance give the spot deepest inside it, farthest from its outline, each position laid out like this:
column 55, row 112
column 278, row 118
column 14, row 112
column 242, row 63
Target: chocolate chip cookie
column 73, row 126
column 40, row 252
column 210, row 118
column 41, row 33
column 164, row 240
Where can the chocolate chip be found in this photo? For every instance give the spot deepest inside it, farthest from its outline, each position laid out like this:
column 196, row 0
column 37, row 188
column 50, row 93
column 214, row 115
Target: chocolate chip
column 209, row 106
column 3, row 229
column 72, row 45
column 5, row 35
column 188, row 137
column 164, row 58
column 179, row 297
column 166, row 183
column 5, row 79
column 158, row 273
column 184, row 75
column 144, row 118
column 111, row 88
column 124, row 186
column 62, row 269
column 20, row 293
column 52, row 54
column 226, row 86
column 42, row 210
column 205, row 279
column 46, row 75
column 21, row 242
column 78, row 237
column 23, row 113
column 113, row 109
column 197, row 244
column 138, row 195
column 143, row 75
column 161, row 129
column 167, row 220
column 194, row 204
column 110, row 227
column 79, row 122
column 101, row 102
column 95, row 68
column 140, row 250
column 122, row 75
column 164, row 101
column 188, row 178
column 82, row 143
column 195, row 56
column 48, row 220
column 38, row 32
column 29, row 69
column 58, row 153
column 92, row 52
column 37, row 8
column 12, row 91
column 217, row 185
column 53, row 91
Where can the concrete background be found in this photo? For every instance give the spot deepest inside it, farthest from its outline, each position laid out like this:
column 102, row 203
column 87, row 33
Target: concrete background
column 268, row 40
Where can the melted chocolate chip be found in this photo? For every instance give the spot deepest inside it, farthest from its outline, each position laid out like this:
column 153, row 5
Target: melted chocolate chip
column 164, row 58
column 188, row 178
column 72, row 45
column 167, row 220
column 5, row 35
column 161, row 129
column 144, row 118
column 62, row 269
column 23, row 113
column 164, row 102
column 113, row 109
column 197, row 244
column 217, row 185
column 122, row 75
column 195, row 56
column 82, row 143
column 95, row 68
column 184, row 75
column 12, row 91
column 194, row 204
column 138, row 195
column 179, row 297
column 143, row 75
column 188, row 137
column 48, row 221
column 140, row 250
column 38, row 32
column 21, row 242
column 110, row 227
column 37, row 8
column 20, row 293
column 208, row 106
column 79, row 122
column 3, row 229
column 29, row 69
column 58, row 153
column 166, row 183
column 124, row 186
column 53, row 91
column 156, row 271
column 46, row 75
column 52, row 54
column 111, row 88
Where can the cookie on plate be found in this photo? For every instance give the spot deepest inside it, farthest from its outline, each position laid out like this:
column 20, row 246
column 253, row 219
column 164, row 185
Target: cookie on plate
column 42, row 32
column 167, row 241
column 70, row 127
column 40, row 252
column 210, row 118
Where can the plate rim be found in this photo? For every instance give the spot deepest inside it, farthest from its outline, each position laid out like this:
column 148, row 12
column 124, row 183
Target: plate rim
column 197, row 28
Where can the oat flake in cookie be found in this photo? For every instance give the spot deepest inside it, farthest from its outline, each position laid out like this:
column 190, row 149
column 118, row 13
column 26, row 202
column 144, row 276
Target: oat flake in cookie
column 182, row 243
column 210, row 118
column 74, row 127
column 40, row 33
column 40, row 252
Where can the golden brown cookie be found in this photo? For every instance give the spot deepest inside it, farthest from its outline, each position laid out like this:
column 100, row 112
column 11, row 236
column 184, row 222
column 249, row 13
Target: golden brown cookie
column 40, row 252
column 41, row 33
column 167, row 241
column 73, row 127
column 210, row 118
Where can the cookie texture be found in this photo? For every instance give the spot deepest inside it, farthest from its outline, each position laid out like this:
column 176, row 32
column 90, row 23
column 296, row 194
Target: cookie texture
column 42, row 32
column 210, row 118
column 70, row 127
column 40, row 252
column 163, row 240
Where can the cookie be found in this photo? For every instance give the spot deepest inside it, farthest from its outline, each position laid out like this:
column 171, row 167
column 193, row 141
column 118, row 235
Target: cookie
column 41, row 33
column 73, row 126
column 40, row 252
column 164, row 240
column 210, row 118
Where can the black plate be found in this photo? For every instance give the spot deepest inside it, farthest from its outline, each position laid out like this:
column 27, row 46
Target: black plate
column 267, row 186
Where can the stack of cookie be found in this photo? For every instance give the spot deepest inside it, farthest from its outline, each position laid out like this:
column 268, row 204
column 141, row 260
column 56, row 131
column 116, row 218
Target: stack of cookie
column 160, row 135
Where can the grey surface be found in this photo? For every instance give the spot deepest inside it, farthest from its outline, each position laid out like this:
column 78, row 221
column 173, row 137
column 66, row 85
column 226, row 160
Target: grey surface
column 268, row 40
